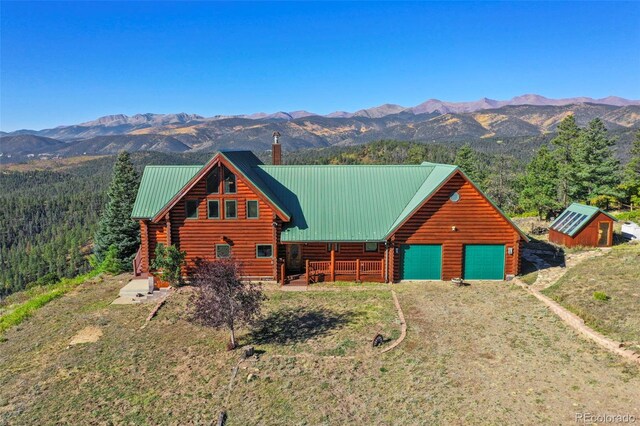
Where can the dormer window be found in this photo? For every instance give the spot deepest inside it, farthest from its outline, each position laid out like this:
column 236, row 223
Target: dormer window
column 229, row 182
column 213, row 181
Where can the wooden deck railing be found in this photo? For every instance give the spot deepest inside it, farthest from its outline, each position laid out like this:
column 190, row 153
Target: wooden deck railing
column 137, row 263
column 358, row 268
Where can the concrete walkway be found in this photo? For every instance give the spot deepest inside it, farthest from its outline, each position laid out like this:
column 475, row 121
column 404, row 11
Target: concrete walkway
column 137, row 291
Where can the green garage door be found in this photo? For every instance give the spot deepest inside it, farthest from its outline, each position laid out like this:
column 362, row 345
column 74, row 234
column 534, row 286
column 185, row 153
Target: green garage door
column 421, row 262
column 484, row 262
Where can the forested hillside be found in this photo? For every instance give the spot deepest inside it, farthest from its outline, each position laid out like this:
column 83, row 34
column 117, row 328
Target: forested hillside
column 48, row 217
column 49, row 210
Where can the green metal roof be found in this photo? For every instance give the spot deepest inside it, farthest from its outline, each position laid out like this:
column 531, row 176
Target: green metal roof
column 438, row 176
column 322, row 203
column 575, row 217
column 349, row 203
column 158, row 186
column 246, row 162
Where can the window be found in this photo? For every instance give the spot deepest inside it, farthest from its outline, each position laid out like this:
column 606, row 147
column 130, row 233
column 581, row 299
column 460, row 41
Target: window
column 223, row 251
column 230, row 209
column 213, row 181
column 229, row 182
column 191, row 209
column 213, row 209
column 371, row 247
column 264, row 250
column 252, row 209
column 335, row 246
column 455, row 197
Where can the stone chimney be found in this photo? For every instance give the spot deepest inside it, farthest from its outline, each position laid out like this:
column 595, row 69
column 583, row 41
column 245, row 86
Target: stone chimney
column 276, row 150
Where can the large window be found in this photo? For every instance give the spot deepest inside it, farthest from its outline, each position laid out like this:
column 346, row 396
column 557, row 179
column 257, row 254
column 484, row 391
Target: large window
column 229, row 182
column 335, row 246
column 371, row 247
column 191, row 209
column 213, row 209
column 230, row 209
column 252, row 209
column 223, row 251
column 264, row 250
column 213, row 181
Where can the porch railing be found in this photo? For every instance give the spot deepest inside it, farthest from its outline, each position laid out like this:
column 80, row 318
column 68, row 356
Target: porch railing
column 137, row 263
column 316, row 270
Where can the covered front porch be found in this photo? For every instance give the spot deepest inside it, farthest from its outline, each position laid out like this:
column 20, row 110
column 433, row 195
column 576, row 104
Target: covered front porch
column 304, row 264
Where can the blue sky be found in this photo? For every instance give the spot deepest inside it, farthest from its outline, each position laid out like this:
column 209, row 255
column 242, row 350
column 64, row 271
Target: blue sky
column 63, row 63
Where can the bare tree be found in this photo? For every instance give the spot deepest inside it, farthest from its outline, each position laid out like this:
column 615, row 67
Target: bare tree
column 221, row 298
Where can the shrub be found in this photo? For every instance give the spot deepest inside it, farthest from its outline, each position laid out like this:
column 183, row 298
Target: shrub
column 222, row 299
column 600, row 295
column 169, row 261
column 111, row 263
column 630, row 215
column 45, row 280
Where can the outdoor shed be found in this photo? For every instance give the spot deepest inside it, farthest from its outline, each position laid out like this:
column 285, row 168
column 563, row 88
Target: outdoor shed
column 581, row 225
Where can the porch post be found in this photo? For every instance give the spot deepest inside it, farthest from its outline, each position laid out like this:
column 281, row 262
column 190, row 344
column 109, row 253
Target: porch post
column 168, row 227
column 332, row 270
column 306, row 270
column 282, row 272
column 357, row 270
column 382, row 269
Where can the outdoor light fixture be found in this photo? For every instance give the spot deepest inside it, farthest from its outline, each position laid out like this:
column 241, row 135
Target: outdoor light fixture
column 510, row 251
column 453, row 228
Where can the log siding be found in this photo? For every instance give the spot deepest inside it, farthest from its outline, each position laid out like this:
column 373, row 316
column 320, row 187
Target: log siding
column 475, row 219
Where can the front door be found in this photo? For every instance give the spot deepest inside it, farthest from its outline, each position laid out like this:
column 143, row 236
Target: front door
column 603, row 234
column 294, row 257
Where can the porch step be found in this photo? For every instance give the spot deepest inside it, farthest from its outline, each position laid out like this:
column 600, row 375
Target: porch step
column 134, row 287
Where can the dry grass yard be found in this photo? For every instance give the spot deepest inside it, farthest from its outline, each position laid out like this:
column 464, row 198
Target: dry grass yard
column 486, row 353
column 616, row 275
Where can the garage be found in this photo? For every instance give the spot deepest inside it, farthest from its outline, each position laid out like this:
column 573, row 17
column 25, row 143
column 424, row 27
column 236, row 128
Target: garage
column 484, row 262
column 421, row 262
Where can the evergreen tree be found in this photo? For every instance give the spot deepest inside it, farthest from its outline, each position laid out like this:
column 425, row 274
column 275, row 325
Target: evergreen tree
column 597, row 169
column 467, row 160
column 540, row 184
column 631, row 181
column 565, row 155
column 501, row 184
column 116, row 228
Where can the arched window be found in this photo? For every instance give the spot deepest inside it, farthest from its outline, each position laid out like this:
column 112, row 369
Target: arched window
column 213, row 181
column 229, row 182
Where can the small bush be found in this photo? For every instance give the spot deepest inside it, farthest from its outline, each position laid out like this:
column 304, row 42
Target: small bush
column 600, row 295
column 631, row 215
column 45, row 280
column 169, row 260
column 111, row 264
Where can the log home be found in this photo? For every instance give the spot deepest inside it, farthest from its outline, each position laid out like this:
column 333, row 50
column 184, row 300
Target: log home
column 310, row 223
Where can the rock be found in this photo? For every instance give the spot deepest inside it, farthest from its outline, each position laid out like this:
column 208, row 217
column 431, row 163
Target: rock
column 251, row 377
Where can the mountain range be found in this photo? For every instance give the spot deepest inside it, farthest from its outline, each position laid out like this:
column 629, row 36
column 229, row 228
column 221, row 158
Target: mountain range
column 430, row 121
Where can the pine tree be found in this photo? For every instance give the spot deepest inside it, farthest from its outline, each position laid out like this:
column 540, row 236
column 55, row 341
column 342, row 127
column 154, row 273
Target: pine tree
column 501, row 183
column 565, row 155
column 540, row 184
column 597, row 169
column 467, row 160
column 116, row 226
column 631, row 181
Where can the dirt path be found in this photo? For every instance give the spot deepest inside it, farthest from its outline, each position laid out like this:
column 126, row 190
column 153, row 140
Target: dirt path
column 548, row 275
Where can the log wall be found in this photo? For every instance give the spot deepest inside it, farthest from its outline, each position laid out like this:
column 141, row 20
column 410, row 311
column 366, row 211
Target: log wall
column 476, row 221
